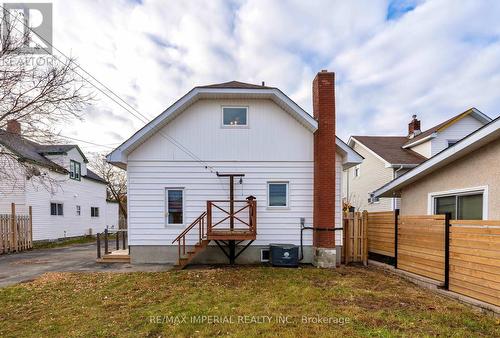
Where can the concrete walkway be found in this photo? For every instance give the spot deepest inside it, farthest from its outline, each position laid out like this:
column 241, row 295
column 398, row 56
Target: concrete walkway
column 26, row 266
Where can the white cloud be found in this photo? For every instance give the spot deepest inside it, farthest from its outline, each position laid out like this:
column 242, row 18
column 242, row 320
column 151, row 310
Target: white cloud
column 436, row 60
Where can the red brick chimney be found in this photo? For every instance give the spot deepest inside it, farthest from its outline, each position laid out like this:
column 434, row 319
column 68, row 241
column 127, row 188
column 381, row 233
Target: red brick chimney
column 324, row 159
column 414, row 127
column 13, row 127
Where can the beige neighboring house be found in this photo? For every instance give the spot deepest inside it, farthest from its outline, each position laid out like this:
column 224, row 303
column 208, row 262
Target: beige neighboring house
column 388, row 157
column 464, row 180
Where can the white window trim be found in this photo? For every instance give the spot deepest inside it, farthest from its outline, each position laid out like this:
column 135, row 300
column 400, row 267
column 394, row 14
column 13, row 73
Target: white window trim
column 287, row 206
column 237, row 126
column 165, row 207
column 358, row 166
column 262, row 256
column 431, row 197
column 50, row 210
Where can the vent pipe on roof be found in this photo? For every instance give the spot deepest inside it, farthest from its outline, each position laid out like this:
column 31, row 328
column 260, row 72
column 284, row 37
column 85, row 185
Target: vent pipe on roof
column 263, row 83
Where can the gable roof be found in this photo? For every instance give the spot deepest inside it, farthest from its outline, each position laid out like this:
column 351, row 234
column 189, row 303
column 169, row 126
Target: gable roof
column 468, row 144
column 33, row 152
column 236, row 84
column 232, row 89
column 389, row 148
column 473, row 112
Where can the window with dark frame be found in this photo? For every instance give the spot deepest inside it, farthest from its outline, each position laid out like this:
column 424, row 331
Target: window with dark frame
column 75, row 170
column 56, row 209
column 94, row 211
column 175, row 206
column 465, row 206
column 234, row 116
column 78, row 210
column 277, row 193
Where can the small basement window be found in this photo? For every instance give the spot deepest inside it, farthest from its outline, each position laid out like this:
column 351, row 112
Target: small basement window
column 264, row 255
column 277, row 194
column 56, row 209
column 235, row 116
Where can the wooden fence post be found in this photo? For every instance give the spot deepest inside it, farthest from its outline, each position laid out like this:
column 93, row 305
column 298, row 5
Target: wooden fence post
column 30, row 237
column 447, row 225
column 396, row 216
column 13, row 226
column 365, row 237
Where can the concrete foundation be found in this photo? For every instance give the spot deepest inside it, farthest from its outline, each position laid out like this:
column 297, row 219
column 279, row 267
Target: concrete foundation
column 163, row 254
column 167, row 254
column 326, row 257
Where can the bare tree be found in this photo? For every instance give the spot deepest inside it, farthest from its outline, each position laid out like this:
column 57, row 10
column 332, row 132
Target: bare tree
column 39, row 91
column 116, row 178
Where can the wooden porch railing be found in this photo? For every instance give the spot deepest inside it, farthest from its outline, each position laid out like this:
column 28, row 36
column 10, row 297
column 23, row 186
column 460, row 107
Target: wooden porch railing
column 202, row 232
column 118, row 236
column 249, row 220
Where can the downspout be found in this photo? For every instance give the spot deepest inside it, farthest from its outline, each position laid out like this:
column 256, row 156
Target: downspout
column 394, row 176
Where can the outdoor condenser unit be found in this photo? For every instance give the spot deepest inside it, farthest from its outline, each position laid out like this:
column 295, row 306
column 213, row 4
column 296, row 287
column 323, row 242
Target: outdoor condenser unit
column 284, row 255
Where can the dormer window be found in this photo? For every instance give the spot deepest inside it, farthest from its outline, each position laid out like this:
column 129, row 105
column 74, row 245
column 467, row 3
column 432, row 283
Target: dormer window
column 235, row 116
column 75, row 170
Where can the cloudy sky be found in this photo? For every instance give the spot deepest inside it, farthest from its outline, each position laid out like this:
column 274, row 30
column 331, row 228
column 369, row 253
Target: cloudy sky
column 392, row 59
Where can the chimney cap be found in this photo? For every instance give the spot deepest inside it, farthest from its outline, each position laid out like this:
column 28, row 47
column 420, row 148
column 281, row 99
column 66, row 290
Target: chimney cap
column 324, row 71
column 414, row 116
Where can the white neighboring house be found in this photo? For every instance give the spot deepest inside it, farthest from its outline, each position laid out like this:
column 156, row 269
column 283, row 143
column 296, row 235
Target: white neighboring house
column 388, row 157
column 236, row 127
column 71, row 199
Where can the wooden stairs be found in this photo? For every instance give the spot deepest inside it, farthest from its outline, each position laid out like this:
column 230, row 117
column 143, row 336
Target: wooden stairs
column 117, row 256
column 183, row 261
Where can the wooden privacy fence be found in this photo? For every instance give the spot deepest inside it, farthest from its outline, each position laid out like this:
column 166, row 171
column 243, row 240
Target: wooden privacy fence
column 420, row 245
column 16, row 231
column 355, row 238
column 463, row 255
column 474, row 259
column 381, row 232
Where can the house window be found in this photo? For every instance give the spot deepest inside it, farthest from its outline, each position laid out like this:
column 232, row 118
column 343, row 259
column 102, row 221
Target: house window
column 277, row 194
column 235, row 116
column 264, row 255
column 78, row 210
column 464, row 206
column 452, row 142
column 56, row 209
column 94, row 211
column 356, row 171
column 75, row 170
column 175, row 206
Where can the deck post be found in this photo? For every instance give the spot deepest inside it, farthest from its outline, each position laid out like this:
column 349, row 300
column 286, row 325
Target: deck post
column 106, row 251
column 232, row 251
column 98, row 237
column 124, row 234
column 117, row 244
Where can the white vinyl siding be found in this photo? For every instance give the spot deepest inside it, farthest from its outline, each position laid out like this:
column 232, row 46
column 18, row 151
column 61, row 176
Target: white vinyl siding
column 456, row 131
column 373, row 175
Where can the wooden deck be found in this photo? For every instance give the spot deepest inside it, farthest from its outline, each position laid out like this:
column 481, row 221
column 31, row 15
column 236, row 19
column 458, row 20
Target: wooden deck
column 116, row 256
column 228, row 234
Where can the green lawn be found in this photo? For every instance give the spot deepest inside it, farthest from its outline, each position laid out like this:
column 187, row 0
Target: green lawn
column 64, row 242
column 368, row 301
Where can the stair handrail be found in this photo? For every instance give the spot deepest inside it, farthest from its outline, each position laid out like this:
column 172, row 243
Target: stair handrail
column 192, row 225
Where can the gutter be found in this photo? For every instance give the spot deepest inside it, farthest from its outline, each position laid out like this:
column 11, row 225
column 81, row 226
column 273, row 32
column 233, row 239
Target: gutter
column 422, row 140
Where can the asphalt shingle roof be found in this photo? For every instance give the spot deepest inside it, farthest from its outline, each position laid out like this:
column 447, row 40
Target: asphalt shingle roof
column 390, row 149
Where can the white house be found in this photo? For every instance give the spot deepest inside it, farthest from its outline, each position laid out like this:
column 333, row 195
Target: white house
column 389, row 157
column 66, row 197
column 291, row 162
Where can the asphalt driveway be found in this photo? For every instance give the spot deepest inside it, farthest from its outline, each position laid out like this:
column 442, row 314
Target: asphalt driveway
column 26, row 266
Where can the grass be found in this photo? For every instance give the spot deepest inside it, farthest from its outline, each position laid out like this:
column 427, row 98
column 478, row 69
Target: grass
column 368, row 301
column 64, row 242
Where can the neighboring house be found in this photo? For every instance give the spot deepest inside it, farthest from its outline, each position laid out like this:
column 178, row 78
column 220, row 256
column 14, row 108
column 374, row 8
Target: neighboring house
column 66, row 197
column 388, row 157
column 292, row 164
column 463, row 179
